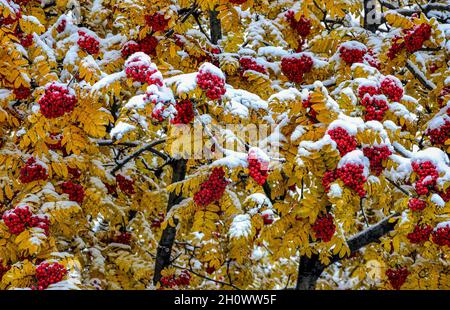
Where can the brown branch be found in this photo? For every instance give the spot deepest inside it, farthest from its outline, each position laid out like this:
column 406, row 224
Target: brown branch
column 419, row 75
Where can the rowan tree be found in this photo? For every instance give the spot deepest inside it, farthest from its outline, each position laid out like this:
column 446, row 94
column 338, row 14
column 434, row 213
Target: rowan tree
column 104, row 185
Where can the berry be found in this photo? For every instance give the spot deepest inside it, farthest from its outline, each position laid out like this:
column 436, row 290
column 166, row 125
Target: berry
column 141, row 70
column 301, row 26
column 444, row 92
column 47, row 274
column 441, row 236
column 32, row 171
column 345, row 142
column 130, row 48
column 392, row 88
column 324, row 227
column 352, row 54
column 88, row 43
column 148, row 45
column 353, row 177
column 397, row 45
column 416, row 204
column 126, row 184
column 123, row 238
column 157, row 22
column 310, row 112
column 371, row 90
column 428, row 176
column 156, row 223
column 248, row 63
column 415, row 37
column 76, row 173
column 213, row 84
column 57, row 101
column 295, row 66
column 61, row 26
column 267, row 219
column 397, row 277
column 375, row 107
column 420, row 234
column 377, row 155
column 212, row 189
column 257, row 170
column 26, row 40
column 17, row 219
column 237, row 1
column 41, row 221
column 439, row 135
column 185, row 112
column 172, row 281
column 56, row 145
column 328, row 178
column 371, row 59
column 22, row 92
column 75, row 191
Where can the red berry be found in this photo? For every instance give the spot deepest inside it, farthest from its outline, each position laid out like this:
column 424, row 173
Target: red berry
column 157, row 21
column 420, row 234
column 392, row 88
column 212, row 189
column 377, row 155
column 416, row 204
column 397, row 277
column 126, row 184
column 47, row 274
column 441, row 236
column 296, row 65
column 57, row 101
column 344, row 142
column 32, row 171
column 88, row 43
column 22, row 92
column 212, row 84
column 75, row 191
column 352, row 52
column 185, row 112
column 324, row 227
column 428, row 176
column 301, row 26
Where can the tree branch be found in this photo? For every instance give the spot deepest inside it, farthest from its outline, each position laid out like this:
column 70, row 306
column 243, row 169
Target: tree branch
column 419, row 75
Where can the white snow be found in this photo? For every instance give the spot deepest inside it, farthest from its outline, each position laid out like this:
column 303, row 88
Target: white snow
column 121, row 129
column 241, row 226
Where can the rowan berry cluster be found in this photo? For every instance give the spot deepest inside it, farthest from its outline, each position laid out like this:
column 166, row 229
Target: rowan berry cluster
column 257, row 170
column 439, row 135
column 416, row 204
column 157, row 21
column 185, row 112
column 32, row 171
column 301, row 26
column 74, row 172
column 351, row 174
column 375, row 107
column 392, row 88
column 61, row 26
column 371, row 59
column 88, row 43
column 126, row 184
column 344, row 142
column 324, row 227
column 212, row 189
column 213, row 85
column 370, row 90
column 295, row 66
column 156, row 223
column 310, row 112
column 420, row 234
column 57, row 144
column 142, row 72
column 57, row 101
column 412, row 40
column 21, row 218
column 122, row 238
column 22, row 92
column 11, row 19
column 47, row 274
column 441, row 236
column 428, row 176
column 26, row 40
column 74, row 190
column 172, row 281
column 248, row 63
column 376, row 155
column 444, row 92
column 267, row 218
column 397, row 277
column 352, row 55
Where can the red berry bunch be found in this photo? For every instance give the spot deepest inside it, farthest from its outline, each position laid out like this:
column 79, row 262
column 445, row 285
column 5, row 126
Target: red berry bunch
column 171, row 281
column 88, row 43
column 74, row 172
column 248, row 63
column 212, row 189
column 301, row 26
column 328, row 178
column 257, row 170
column 371, row 90
column 11, row 19
column 26, row 40
column 397, row 45
column 32, row 171
column 148, row 45
column 415, row 37
column 141, row 71
column 444, row 92
column 397, row 277
column 439, row 135
column 392, row 88
column 47, row 274
column 267, row 218
column 416, row 204
column 21, row 217
column 294, row 66
column 371, row 59
column 22, row 92
column 376, row 155
column 345, row 142
column 353, row 177
column 56, row 101
column 185, row 112
column 157, row 21
column 213, row 85
column 420, row 234
column 156, row 223
column 310, row 112
column 352, row 55
column 126, row 184
column 122, row 238
column 56, row 138
column 324, row 227
column 130, row 48
column 375, row 107
column 441, row 236
column 61, row 26
column 428, row 176
column 74, row 190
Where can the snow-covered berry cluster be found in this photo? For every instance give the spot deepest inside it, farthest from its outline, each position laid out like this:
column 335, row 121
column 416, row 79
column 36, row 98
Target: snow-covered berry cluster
column 157, row 21
column 416, row 204
column 428, row 176
column 257, row 170
column 351, row 174
column 16, row 14
column 21, row 218
column 412, row 40
column 22, row 92
column 369, row 89
column 344, row 141
column 57, row 101
column 371, row 59
column 397, row 277
column 26, row 40
column 88, row 43
column 248, row 63
column 376, row 155
column 310, row 112
column 352, row 52
column 444, row 92
column 47, row 274
column 392, row 87
column 301, row 26
column 130, row 48
column 267, row 218
column 74, row 190
column 61, row 26
column 296, row 65
column 139, row 68
column 324, row 227
column 122, row 238
column 212, row 189
column 148, row 45
column 213, row 84
column 439, row 135
column 185, row 112
column 375, row 107
column 126, row 184
column 420, row 234
column 32, row 171
column 441, row 236
column 172, row 281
